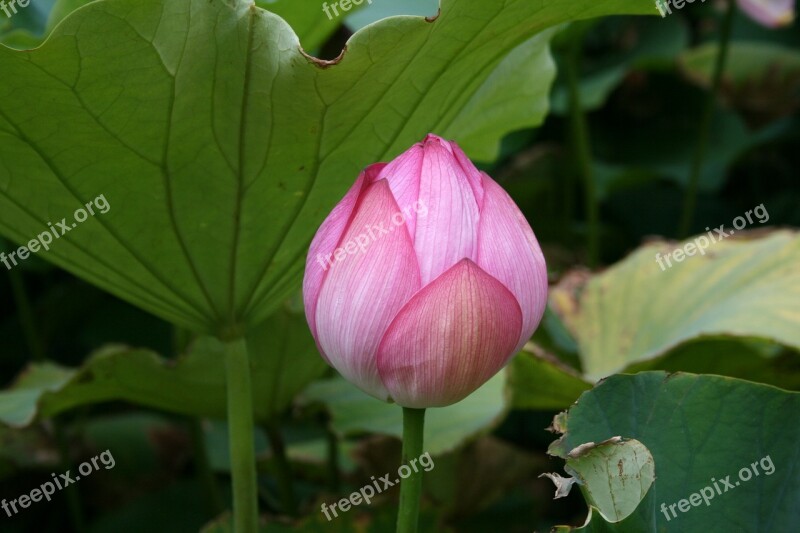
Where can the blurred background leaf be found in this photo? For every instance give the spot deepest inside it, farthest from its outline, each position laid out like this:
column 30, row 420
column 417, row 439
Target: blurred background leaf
column 638, row 310
column 283, row 355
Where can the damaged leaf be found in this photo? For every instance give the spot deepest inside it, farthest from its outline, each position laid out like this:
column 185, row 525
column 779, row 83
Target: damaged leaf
column 563, row 484
column 614, row 475
column 697, row 429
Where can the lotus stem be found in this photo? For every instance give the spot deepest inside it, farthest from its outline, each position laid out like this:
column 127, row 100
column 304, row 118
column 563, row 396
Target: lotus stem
column 411, row 487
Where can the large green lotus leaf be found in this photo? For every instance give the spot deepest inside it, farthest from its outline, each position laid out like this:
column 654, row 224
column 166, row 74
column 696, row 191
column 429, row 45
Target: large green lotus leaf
column 220, row 147
column 636, row 310
column 308, row 20
column 354, row 412
column 283, row 356
column 699, row 430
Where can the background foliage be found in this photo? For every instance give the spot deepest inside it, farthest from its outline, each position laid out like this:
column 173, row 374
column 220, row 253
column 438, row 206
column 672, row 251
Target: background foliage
column 108, row 339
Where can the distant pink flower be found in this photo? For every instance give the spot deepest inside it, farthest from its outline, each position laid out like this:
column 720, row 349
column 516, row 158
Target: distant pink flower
column 425, row 279
column 770, row 13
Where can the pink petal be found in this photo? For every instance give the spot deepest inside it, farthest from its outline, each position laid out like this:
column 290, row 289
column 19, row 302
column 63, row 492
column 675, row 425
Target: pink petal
column 452, row 336
column 327, row 239
column 403, row 175
column 429, row 172
column 448, row 232
column 474, row 176
column 508, row 251
column 365, row 288
column 770, row 13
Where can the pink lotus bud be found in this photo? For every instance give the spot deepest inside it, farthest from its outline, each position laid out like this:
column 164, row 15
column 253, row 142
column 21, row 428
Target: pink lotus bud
column 770, row 13
column 425, row 279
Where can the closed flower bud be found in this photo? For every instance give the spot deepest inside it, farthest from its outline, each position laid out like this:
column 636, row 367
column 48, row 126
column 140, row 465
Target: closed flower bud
column 425, row 279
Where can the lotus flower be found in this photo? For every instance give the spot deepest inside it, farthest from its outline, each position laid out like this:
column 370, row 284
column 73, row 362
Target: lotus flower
column 770, row 13
column 424, row 280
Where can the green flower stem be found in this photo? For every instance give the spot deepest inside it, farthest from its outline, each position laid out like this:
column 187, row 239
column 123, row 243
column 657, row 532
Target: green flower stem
column 581, row 145
column 283, row 469
column 411, row 487
column 242, row 441
column 690, row 199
